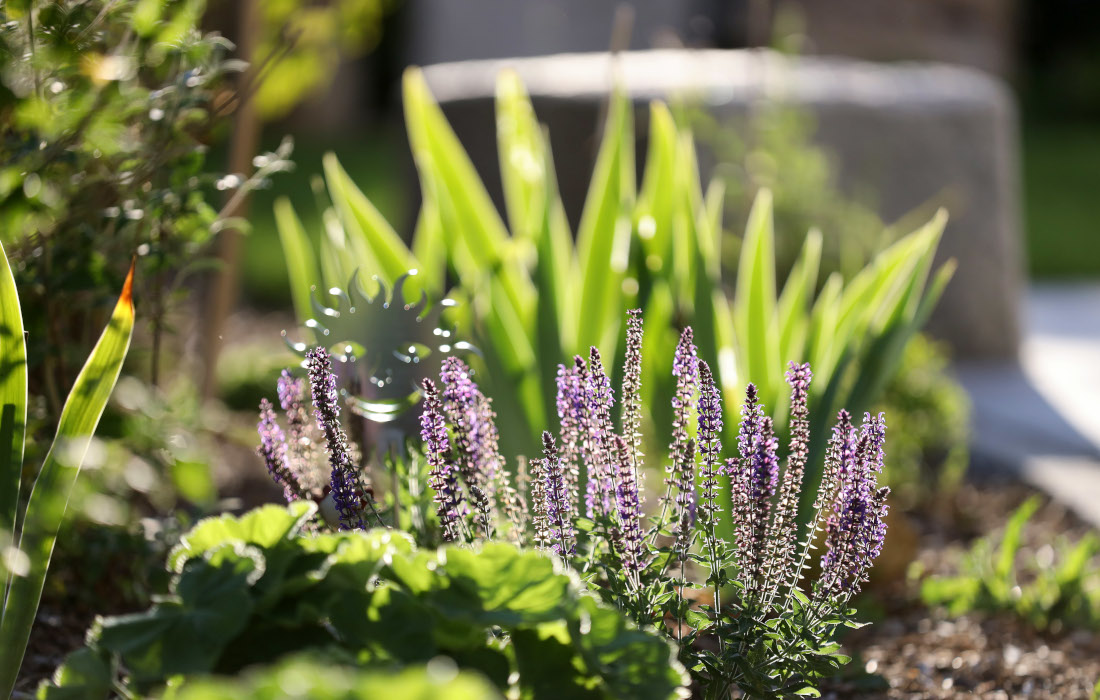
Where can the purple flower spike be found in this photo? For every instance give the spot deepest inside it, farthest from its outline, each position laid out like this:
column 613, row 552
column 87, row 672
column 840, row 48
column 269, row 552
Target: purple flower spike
column 632, row 391
column 559, row 515
column 599, row 399
column 710, row 443
column 571, row 402
column 344, row 477
column 854, row 534
column 784, row 529
column 443, row 476
column 681, row 468
column 754, row 482
column 273, row 450
column 629, row 506
column 462, row 406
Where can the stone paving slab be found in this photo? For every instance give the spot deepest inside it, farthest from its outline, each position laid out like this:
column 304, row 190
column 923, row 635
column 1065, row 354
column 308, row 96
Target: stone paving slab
column 1040, row 419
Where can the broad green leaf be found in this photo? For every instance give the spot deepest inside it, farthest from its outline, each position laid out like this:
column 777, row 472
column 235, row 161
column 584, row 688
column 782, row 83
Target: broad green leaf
column 13, row 399
column 50, row 494
column 655, row 200
column 264, row 527
column 316, row 677
column 301, row 265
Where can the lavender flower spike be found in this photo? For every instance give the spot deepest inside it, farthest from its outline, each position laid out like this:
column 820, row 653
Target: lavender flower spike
column 854, row 534
column 443, row 476
column 273, row 450
column 558, row 513
column 297, row 419
column 344, row 478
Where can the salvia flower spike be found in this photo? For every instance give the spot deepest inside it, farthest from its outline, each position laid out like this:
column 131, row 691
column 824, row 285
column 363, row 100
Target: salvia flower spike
column 559, row 515
column 629, row 507
column 273, row 450
column 461, row 399
column 857, row 527
column 784, row 526
column 442, row 473
column 571, row 416
column 632, row 393
column 681, row 467
column 599, row 400
column 346, row 488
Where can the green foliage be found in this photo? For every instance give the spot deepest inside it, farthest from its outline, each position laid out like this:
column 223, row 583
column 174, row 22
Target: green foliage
column 38, row 523
column 252, row 589
column 772, row 148
column 106, row 110
column 301, row 45
column 1061, row 584
column 318, row 678
column 532, row 296
column 929, row 455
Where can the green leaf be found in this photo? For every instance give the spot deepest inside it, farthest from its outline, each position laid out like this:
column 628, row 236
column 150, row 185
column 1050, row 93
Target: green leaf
column 86, row 674
column 13, row 399
column 381, row 250
column 603, row 237
column 315, row 676
column 50, row 494
column 754, row 305
column 187, row 634
column 300, row 263
column 1010, row 541
column 794, row 301
column 263, row 527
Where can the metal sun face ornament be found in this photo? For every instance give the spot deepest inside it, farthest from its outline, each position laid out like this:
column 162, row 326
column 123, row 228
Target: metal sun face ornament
column 382, row 346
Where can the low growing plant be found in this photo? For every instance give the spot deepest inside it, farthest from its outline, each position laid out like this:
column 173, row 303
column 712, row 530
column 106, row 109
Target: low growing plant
column 36, row 520
column 250, row 590
column 736, row 607
column 1062, row 588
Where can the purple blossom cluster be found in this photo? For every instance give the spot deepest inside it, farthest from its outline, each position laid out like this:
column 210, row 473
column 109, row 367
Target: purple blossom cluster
column 781, row 538
column 463, row 405
column 856, row 528
column 273, row 450
column 346, row 488
column 631, row 543
column 754, row 477
column 709, row 441
column 559, row 513
column 572, row 404
column 681, row 467
column 598, row 431
column 442, row 473
column 632, row 391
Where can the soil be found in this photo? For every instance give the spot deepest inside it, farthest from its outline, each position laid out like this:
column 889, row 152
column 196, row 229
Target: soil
column 913, row 652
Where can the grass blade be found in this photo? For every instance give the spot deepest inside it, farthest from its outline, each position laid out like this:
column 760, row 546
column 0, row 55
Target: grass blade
column 754, row 305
